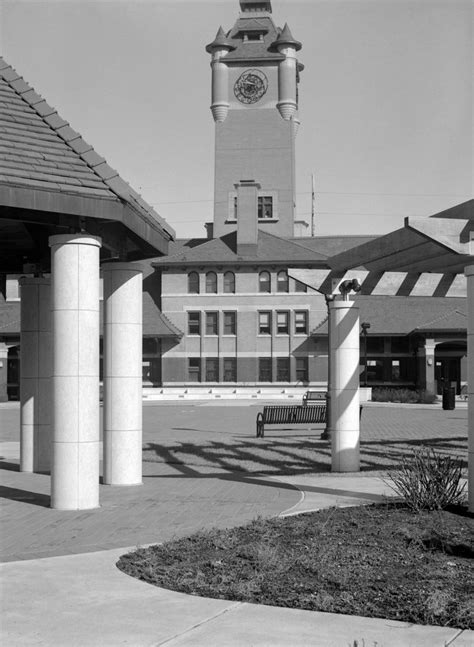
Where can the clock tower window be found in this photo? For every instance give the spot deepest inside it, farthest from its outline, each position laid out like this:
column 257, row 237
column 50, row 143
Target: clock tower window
column 265, row 207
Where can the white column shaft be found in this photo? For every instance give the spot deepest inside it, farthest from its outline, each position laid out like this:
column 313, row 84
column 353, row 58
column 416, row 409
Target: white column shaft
column 469, row 271
column 122, row 374
column 344, row 400
column 35, row 389
column 75, row 371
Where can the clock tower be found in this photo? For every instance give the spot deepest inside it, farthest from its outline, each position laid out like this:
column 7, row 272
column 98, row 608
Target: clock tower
column 255, row 74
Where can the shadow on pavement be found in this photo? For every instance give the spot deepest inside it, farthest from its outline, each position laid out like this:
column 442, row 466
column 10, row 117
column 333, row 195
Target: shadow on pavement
column 34, row 498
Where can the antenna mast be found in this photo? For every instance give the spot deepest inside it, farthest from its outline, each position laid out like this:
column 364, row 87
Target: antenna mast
column 313, row 201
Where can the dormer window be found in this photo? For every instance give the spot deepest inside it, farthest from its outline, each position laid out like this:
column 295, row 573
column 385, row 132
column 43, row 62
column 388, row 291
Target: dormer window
column 253, row 37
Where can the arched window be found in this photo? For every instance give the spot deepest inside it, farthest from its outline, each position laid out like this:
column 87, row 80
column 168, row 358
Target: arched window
column 193, row 283
column 282, row 281
column 264, row 282
column 229, row 282
column 211, row 282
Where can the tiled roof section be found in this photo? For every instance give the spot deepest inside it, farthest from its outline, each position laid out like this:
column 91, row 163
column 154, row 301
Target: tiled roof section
column 220, row 42
column 286, row 38
column 40, row 150
column 253, row 50
column 155, row 323
column 331, row 245
column 270, row 249
column 404, row 315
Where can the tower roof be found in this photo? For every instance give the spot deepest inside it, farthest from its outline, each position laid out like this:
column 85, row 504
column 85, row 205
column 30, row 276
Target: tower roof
column 220, row 42
column 286, row 38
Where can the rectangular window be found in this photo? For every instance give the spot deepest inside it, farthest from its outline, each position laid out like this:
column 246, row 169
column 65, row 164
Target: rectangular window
column 283, row 369
column 264, row 369
column 264, row 323
column 194, row 369
column 301, row 322
column 301, row 369
column 212, row 369
column 212, row 323
column 265, row 207
column 230, row 323
column 194, row 323
column 230, row 369
column 375, row 370
column 300, row 287
column 282, row 323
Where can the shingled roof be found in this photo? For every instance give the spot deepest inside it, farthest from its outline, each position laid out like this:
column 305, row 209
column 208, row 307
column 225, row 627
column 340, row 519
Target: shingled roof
column 155, row 323
column 46, row 166
column 270, row 249
column 390, row 315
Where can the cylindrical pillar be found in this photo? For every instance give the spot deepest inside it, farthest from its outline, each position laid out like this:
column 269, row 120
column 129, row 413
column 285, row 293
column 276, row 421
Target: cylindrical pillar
column 344, row 401
column 122, row 374
column 75, row 371
column 35, row 388
column 469, row 271
column 287, row 104
column 220, row 86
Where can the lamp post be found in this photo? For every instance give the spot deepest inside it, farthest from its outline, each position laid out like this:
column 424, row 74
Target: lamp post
column 365, row 326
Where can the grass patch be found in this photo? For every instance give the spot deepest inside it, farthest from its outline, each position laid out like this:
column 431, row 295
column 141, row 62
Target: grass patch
column 375, row 561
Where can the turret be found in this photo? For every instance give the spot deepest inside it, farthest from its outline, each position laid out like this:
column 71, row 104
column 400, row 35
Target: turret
column 219, row 47
column 288, row 69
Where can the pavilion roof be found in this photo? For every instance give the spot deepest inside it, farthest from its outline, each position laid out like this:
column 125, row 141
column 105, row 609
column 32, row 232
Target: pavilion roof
column 46, row 167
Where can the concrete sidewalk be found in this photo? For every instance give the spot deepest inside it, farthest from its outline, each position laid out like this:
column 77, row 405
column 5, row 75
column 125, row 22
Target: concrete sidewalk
column 85, row 601
column 61, row 587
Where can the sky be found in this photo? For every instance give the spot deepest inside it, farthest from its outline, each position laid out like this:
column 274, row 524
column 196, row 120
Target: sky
column 385, row 99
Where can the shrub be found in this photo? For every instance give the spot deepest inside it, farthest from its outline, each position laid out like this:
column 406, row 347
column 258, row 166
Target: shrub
column 407, row 396
column 428, row 481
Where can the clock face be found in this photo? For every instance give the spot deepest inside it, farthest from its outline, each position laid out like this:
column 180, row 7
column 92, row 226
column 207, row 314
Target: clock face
column 250, row 86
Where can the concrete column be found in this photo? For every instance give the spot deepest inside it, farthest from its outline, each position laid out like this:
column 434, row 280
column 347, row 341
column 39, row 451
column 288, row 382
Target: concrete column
column 344, row 400
column 3, row 372
column 35, row 375
column 75, row 371
column 122, row 374
column 427, row 366
column 326, row 435
column 469, row 271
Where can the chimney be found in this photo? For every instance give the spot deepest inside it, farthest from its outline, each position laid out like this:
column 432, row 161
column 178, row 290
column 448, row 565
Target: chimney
column 247, row 220
column 209, row 226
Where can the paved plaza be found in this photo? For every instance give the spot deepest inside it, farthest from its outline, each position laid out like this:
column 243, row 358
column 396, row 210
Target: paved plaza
column 203, row 467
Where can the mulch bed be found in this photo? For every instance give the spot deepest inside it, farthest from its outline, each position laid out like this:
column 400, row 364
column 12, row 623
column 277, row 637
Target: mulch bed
column 375, row 561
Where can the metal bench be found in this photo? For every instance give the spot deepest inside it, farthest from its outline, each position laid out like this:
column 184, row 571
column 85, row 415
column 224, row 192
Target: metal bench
column 314, row 396
column 295, row 414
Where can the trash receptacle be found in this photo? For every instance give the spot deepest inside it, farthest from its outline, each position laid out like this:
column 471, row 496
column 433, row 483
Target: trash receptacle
column 449, row 395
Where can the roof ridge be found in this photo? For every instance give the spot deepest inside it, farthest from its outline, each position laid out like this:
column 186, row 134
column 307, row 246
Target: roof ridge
column 291, row 241
column 445, row 315
column 73, row 140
